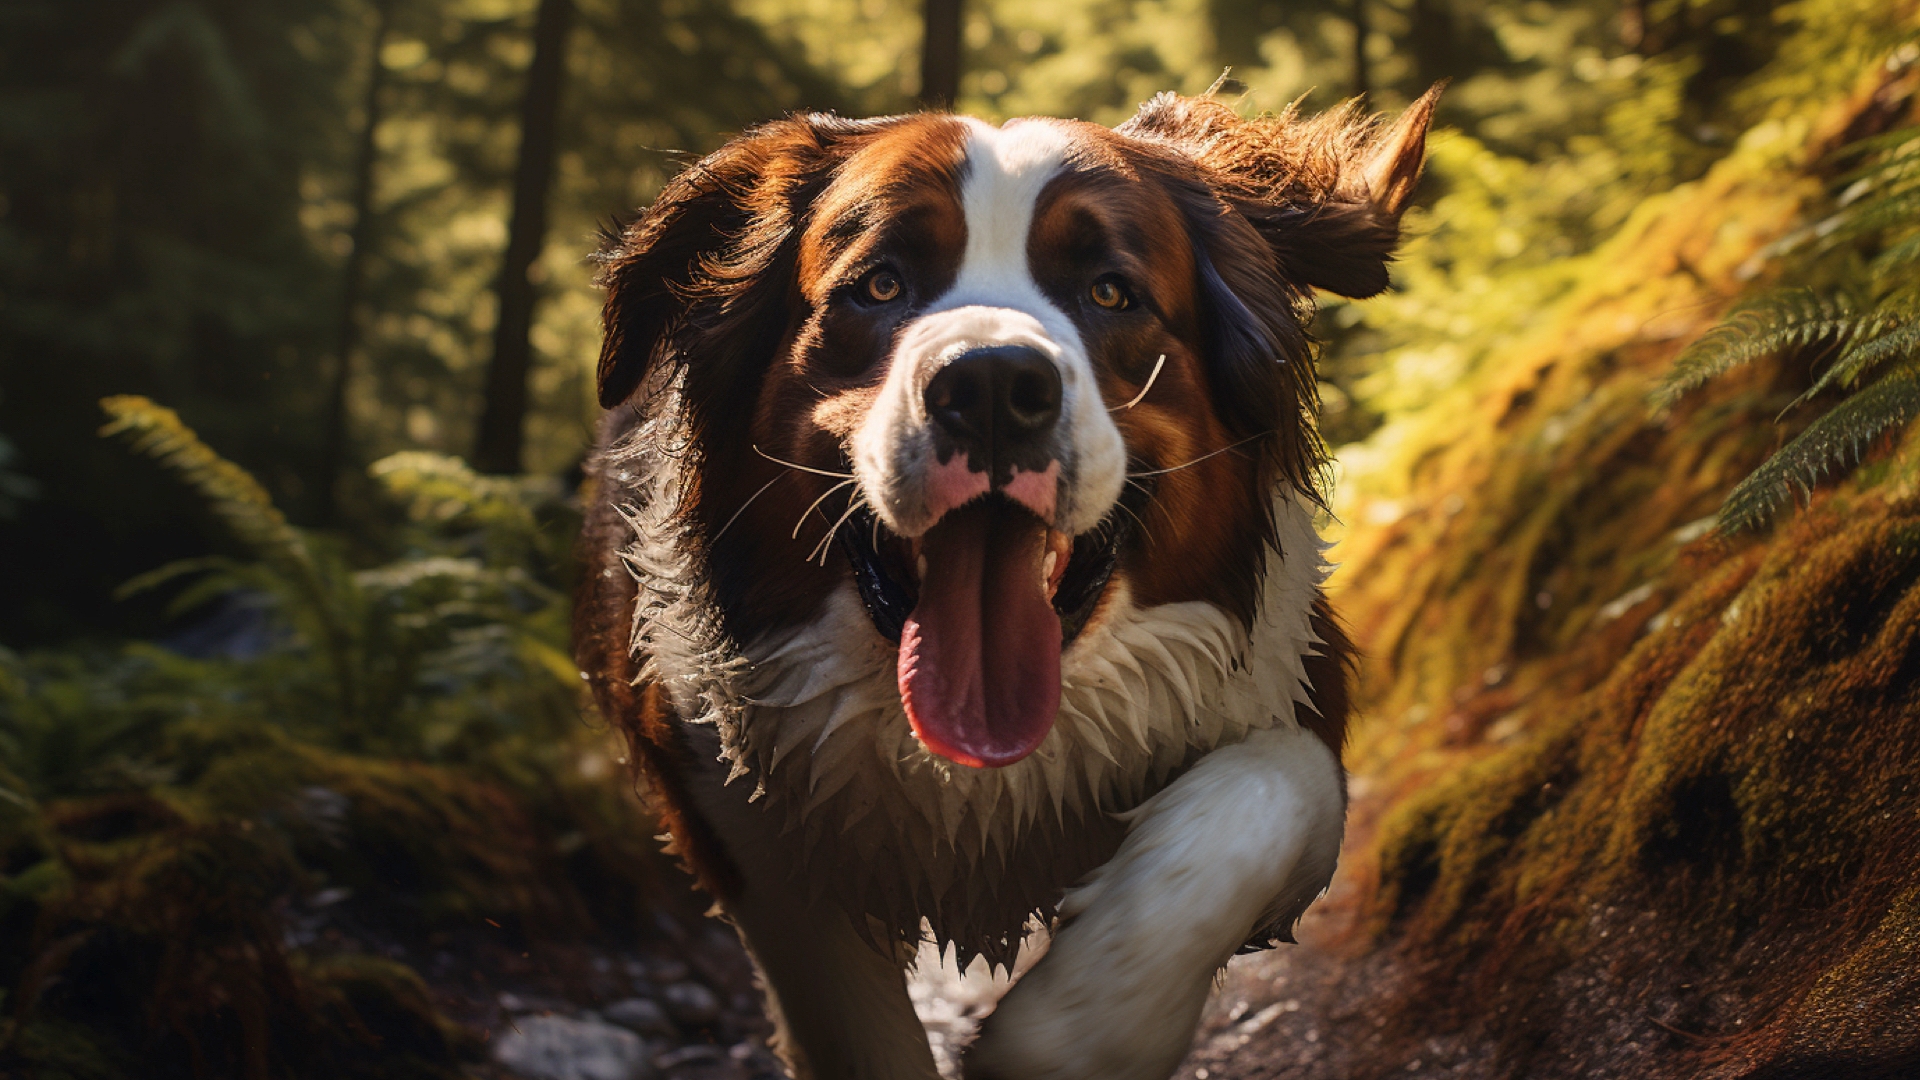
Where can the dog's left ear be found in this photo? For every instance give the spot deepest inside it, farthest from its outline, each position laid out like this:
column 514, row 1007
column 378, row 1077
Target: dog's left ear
column 1343, row 244
column 1394, row 161
column 1325, row 193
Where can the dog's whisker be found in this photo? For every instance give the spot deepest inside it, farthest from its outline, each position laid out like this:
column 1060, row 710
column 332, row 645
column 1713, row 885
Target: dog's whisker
column 1157, row 365
column 743, row 506
column 802, row 468
column 1201, row 458
column 1144, row 531
column 810, row 508
column 820, row 552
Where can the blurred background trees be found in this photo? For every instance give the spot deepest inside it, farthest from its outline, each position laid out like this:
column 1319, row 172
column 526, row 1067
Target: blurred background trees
column 327, row 230
column 229, row 206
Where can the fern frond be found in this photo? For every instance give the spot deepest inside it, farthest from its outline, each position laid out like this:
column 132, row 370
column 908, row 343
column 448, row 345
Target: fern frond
column 1903, row 254
column 445, row 489
column 436, row 478
column 1898, row 336
column 1773, row 323
column 1844, row 432
column 1894, row 140
column 408, row 573
column 1870, row 217
column 234, row 495
column 246, row 508
column 1877, row 207
column 163, row 575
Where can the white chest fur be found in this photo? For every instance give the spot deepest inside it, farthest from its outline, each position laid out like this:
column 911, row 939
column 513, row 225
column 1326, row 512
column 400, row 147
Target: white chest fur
column 809, row 729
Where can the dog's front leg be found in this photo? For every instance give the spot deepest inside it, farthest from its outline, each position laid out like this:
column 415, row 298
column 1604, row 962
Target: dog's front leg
column 839, row 1005
column 1249, row 834
column 840, row 1008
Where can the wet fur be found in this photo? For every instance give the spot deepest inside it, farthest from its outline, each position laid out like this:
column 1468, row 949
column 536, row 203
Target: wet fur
column 760, row 704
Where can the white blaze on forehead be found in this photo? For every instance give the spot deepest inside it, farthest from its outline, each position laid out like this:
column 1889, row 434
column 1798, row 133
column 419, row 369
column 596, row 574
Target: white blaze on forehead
column 994, row 300
column 1007, row 168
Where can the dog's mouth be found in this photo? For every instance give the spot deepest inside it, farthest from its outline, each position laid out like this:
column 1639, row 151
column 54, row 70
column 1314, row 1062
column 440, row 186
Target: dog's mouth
column 982, row 606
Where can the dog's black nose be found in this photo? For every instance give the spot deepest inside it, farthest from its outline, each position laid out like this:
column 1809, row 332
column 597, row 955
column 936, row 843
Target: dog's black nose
column 998, row 404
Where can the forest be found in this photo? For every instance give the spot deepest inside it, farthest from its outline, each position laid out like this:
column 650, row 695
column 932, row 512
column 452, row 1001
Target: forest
column 297, row 332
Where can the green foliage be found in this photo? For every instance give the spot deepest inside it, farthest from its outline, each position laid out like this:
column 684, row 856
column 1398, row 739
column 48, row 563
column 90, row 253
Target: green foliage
column 1867, row 352
column 73, row 724
column 167, row 822
column 177, row 193
column 230, row 491
column 465, row 614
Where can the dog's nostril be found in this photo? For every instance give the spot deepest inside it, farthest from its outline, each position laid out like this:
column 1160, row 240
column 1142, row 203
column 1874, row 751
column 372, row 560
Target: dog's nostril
column 960, row 395
column 1033, row 400
column 996, row 401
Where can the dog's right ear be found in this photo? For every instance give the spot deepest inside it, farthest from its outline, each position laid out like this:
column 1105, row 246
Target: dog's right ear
column 709, row 253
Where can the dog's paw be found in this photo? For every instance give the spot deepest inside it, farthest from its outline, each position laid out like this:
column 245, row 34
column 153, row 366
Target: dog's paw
column 1062, row 1028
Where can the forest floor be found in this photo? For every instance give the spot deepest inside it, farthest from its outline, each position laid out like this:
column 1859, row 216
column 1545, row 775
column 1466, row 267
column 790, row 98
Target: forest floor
column 564, row 1010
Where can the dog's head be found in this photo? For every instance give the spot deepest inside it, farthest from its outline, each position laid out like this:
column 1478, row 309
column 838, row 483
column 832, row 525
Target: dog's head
column 983, row 373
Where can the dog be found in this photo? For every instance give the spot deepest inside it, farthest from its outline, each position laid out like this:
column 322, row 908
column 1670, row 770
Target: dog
column 951, row 561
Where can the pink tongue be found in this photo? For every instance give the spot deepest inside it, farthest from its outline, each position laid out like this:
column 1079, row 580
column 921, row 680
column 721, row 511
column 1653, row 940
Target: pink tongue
column 980, row 655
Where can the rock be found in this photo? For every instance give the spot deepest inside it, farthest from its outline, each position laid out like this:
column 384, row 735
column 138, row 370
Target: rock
column 756, row 1060
column 691, row 1004
column 690, row 1055
column 518, row 1004
column 666, row 969
column 639, row 1014
column 560, row 1048
column 640, row 979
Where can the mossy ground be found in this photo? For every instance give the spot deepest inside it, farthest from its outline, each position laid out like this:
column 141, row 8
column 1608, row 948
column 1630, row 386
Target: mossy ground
column 240, row 903
column 1634, row 798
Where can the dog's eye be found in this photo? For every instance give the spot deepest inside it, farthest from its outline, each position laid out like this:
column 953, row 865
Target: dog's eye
column 880, row 286
column 1109, row 293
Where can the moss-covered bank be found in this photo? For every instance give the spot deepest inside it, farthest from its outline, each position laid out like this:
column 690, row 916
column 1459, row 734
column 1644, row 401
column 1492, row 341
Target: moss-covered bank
column 1635, row 798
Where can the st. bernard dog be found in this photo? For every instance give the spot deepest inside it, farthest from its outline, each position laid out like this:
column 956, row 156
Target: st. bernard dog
column 952, row 561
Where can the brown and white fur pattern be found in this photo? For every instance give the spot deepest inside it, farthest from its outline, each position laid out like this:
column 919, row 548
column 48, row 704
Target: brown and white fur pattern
column 774, row 324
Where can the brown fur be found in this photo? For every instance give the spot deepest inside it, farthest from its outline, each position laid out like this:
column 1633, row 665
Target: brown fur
column 726, row 287
column 1331, row 671
column 602, row 620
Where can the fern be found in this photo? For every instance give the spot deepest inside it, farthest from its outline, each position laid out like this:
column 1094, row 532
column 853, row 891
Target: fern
column 500, row 517
column 229, row 490
column 454, row 635
column 1900, row 338
column 244, row 506
column 1886, row 210
column 444, row 488
column 1777, row 322
column 1892, row 157
column 1899, row 256
column 1838, row 438
column 1871, row 237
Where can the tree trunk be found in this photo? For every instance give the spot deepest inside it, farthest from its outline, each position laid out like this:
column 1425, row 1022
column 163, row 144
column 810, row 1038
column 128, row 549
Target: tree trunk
column 940, row 55
column 1362, row 73
column 497, row 447
column 333, row 440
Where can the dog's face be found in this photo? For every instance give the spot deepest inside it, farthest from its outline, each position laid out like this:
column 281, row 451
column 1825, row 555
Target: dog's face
column 986, row 373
